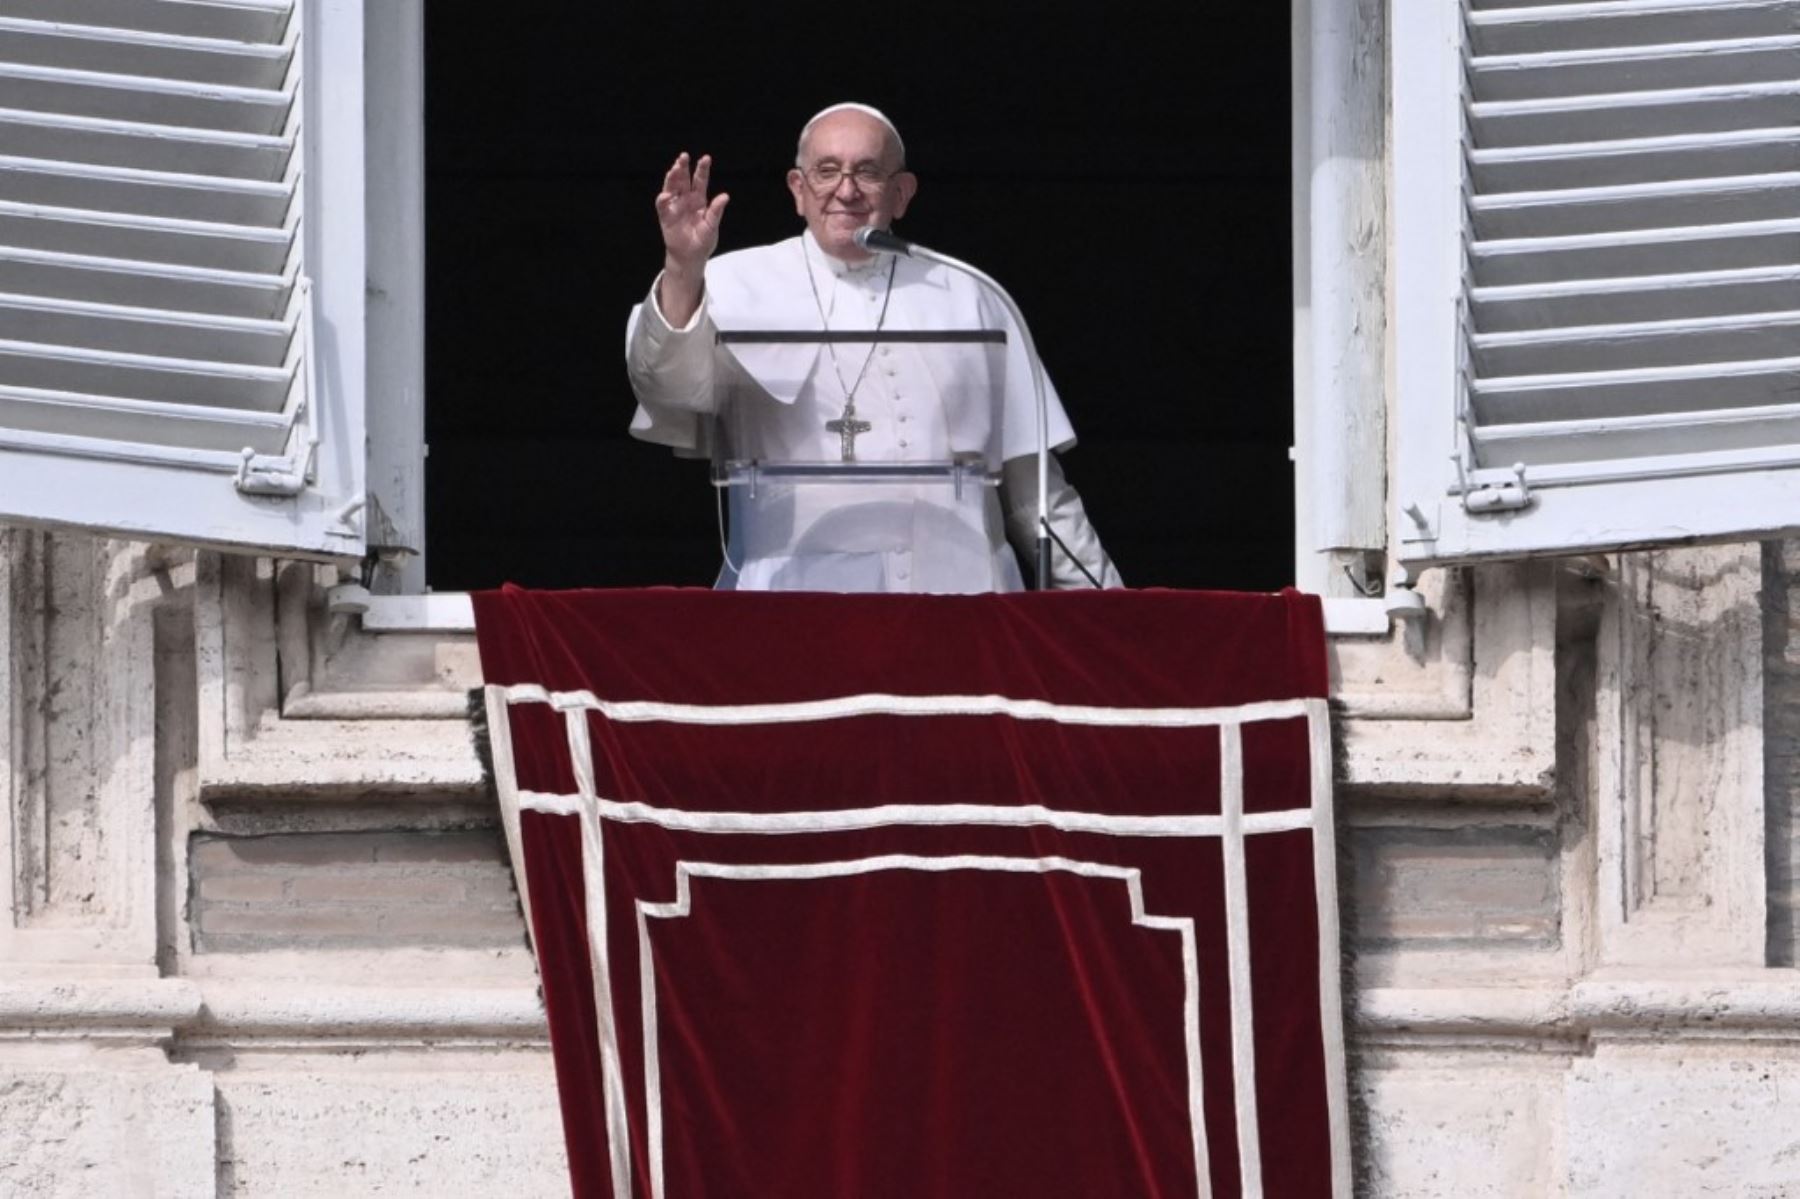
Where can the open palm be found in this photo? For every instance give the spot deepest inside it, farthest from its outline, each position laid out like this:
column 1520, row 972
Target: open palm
column 690, row 222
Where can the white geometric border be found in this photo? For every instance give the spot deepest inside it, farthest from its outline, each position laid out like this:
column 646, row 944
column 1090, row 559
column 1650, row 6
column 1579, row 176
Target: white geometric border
column 1230, row 826
column 877, row 703
column 682, row 905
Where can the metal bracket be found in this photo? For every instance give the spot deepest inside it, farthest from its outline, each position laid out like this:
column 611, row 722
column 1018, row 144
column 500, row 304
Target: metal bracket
column 347, row 599
column 266, row 475
column 1499, row 497
column 1418, row 524
column 1403, row 601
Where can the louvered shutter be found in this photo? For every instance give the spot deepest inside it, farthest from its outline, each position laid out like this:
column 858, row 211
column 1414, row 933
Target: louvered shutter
column 160, row 370
column 1597, row 273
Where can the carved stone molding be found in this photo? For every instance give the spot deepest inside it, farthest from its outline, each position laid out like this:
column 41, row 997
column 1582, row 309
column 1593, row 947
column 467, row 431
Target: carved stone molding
column 1678, row 761
column 1471, row 706
column 298, row 704
column 77, row 748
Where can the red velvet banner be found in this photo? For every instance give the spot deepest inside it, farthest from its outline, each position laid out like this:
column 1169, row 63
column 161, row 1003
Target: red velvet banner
column 1008, row 895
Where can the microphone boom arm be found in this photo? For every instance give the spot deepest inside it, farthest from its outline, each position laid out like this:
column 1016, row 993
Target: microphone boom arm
column 880, row 241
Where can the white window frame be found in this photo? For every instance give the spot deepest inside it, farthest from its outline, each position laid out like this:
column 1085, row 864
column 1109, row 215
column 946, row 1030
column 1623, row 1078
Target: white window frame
column 1636, row 503
column 1340, row 435
column 310, row 502
column 394, row 106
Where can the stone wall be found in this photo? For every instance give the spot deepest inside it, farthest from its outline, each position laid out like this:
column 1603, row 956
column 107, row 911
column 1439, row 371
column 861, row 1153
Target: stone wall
column 1429, row 882
column 364, row 889
column 263, row 938
column 253, row 947
column 1781, row 743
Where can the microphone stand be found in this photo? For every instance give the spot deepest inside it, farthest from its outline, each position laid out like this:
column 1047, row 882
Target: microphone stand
column 880, row 241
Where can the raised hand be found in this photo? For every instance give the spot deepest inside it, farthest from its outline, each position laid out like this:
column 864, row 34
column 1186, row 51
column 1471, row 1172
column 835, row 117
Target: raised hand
column 690, row 223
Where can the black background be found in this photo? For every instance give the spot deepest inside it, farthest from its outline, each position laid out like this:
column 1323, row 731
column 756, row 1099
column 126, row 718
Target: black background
column 1125, row 174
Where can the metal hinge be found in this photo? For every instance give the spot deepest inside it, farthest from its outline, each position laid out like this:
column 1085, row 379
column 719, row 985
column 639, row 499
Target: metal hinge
column 1509, row 496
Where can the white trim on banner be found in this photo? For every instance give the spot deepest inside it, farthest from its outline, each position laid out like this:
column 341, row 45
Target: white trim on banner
column 685, row 872
column 1231, row 826
column 891, row 815
column 1237, row 959
column 882, row 704
column 593, row 884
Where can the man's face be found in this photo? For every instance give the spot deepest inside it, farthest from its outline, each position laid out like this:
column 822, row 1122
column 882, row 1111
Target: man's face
column 869, row 188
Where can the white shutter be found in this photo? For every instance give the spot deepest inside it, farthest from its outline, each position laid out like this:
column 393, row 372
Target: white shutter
column 1597, row 273
column 159, row 373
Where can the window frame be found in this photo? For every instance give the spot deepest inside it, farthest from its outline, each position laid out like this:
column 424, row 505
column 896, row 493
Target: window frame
column 1632, row 502
column 313, row 500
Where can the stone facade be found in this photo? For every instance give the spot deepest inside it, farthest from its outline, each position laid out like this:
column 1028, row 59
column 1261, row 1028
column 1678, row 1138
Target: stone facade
column 263, row 937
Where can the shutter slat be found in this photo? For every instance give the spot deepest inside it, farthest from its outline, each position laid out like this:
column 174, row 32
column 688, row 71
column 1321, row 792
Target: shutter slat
column 1635, row 114
column 142, row 284
column 143, row 376
column 148, row 193
column 1636, row 206
column 1636, row 160
column 188, row 426
column 1644, row 344
column 1624, row 301
column 158, row 331
column 1634, row 391
column 1642, row 253
column 172, row 148
column 153, row 239
column 1613, row 23
column 109, row 451
column 1634, row 68
column 137, row 52
column 237, row 20
column 1671, row 435
column 1611, row 459
column 133, row 97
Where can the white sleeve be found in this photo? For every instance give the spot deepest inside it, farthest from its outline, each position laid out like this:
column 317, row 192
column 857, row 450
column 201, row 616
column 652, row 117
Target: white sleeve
column 1018, row 419
column 1068, row 519
column 671, row 372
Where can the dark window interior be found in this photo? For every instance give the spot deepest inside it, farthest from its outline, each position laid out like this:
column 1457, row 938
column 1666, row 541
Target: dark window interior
column 1124, row 173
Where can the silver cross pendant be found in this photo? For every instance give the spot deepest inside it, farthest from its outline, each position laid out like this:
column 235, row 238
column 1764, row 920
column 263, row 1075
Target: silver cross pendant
column 847, row 427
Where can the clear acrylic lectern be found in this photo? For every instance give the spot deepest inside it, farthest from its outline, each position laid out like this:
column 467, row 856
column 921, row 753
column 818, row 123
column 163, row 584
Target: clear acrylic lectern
column 855, row 525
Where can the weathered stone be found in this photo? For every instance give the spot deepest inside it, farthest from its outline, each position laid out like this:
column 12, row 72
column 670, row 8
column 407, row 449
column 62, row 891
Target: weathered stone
column 1685, row 1121
column 457, row 1130
column 130, row 1133
column 390, row 887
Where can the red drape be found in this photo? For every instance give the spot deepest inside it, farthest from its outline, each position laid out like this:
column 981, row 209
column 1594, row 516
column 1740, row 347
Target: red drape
column 1008, row 895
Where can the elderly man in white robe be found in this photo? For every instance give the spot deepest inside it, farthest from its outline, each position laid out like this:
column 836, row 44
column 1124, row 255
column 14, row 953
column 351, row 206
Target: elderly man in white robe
column 907, row 400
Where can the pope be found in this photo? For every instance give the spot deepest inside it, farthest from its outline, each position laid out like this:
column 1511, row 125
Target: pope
column 875, row 396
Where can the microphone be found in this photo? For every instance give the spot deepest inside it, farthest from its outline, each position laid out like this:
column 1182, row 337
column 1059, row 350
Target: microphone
column 880, row 241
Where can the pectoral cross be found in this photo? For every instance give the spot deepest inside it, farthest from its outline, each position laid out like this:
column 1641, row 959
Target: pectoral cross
column 847, row 427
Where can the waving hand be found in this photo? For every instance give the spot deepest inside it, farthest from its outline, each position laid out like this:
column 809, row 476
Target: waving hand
column 690, row 223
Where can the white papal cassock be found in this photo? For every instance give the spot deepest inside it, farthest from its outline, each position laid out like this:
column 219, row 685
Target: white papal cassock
column 923, row 402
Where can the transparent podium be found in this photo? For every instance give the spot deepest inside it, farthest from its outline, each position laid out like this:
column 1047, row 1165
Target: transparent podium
column 931, row 527
column 857, row 525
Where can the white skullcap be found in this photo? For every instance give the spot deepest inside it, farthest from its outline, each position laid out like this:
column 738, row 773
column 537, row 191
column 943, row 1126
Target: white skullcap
column 851, row 106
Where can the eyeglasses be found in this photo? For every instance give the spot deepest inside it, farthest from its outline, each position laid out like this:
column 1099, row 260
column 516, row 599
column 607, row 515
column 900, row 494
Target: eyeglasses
column 826, row 176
